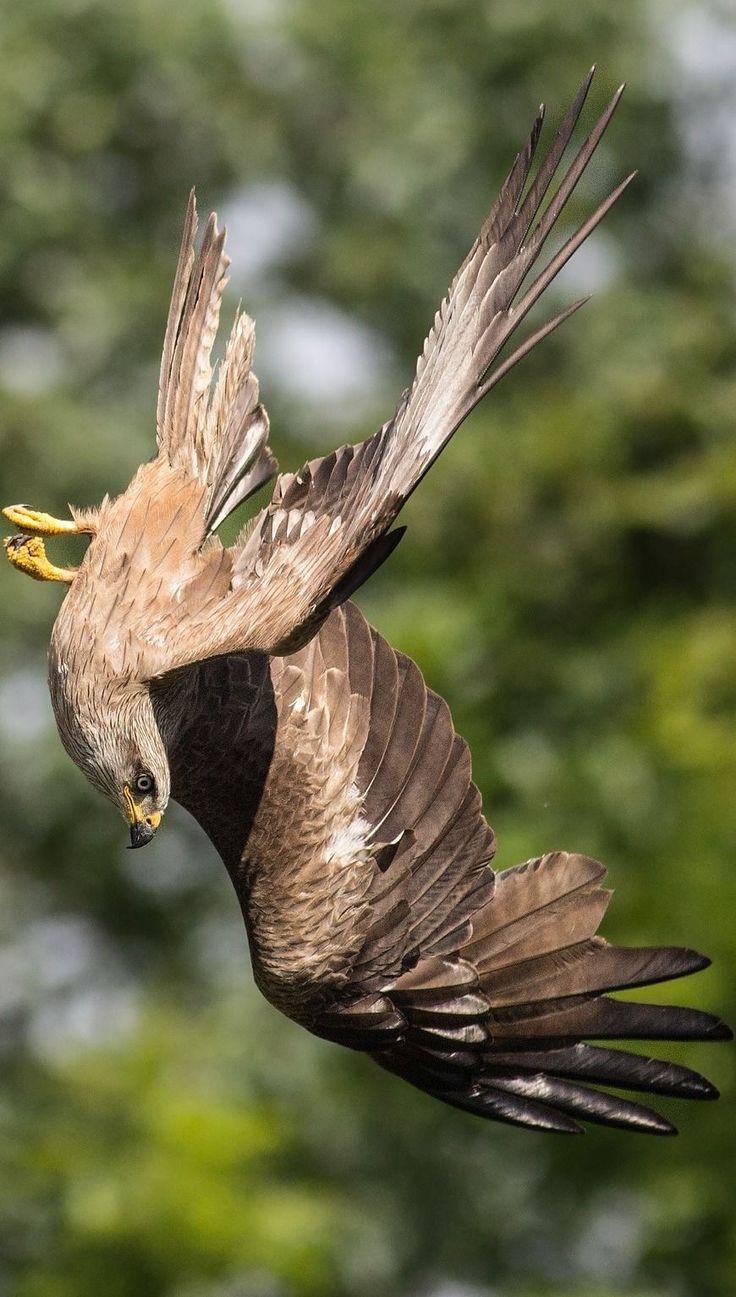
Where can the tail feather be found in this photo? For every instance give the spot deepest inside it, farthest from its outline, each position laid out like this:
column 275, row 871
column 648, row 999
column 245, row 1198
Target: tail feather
column 217, row 434
column 302, row 556
column 237, row 456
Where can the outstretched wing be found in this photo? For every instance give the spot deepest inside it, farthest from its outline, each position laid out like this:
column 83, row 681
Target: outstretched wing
column 217, row 434
column 327, row 527
column 359, row 851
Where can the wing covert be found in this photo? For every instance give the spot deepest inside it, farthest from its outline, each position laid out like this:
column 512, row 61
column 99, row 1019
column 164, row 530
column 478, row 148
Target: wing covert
column 327, row 527
column 361, row 860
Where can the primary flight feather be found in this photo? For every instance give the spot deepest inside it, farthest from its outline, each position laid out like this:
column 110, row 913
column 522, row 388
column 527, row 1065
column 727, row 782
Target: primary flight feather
column 242, row 682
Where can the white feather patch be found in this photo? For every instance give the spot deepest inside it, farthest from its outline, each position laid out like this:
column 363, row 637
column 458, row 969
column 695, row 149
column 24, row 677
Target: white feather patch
column 349, row 843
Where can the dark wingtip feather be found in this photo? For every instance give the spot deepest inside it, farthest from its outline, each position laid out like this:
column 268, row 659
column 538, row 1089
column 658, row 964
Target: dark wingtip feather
column 615, row 1068
column 655, row 1125
column 692, row 961
column 582, row 1103
column 720, row 1030
column 586, row 82
column 617, row 94
column 368, row 562
column 513, row 1110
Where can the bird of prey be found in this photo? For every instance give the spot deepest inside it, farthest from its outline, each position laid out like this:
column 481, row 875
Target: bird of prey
column 242, row 682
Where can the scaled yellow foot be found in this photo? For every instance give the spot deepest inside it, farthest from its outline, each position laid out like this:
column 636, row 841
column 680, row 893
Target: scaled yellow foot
column 28, row 554
column 32, row 522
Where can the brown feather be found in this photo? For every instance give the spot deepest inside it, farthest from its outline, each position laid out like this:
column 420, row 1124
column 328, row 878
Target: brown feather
column 480, row 989
column 218, row 435
column 328, row 526
column 328, row 776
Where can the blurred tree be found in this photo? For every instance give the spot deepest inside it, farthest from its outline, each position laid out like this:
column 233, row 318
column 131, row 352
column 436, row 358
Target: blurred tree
column 568, row 583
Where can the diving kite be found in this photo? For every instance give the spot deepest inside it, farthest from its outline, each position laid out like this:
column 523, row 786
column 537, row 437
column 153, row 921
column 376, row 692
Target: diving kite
column 242, row 682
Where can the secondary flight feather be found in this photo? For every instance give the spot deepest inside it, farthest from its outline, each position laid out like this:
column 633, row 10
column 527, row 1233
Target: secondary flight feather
column 243, row 682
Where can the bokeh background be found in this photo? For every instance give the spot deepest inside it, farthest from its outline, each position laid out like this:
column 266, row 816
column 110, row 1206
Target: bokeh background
column 568, row 582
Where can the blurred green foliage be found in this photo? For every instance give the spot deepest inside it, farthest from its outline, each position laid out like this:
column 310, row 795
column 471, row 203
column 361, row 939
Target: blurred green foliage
column 568, row 582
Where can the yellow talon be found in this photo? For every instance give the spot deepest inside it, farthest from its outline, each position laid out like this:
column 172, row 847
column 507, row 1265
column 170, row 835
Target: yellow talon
column 34, row 523
column 28, row 554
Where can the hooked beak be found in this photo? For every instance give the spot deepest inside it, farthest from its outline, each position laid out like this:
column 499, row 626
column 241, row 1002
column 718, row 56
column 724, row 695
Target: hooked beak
column 141, row 833
column 142, row 827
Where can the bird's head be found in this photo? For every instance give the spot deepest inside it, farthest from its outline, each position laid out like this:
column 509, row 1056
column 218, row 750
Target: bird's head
column 143, row 802
column 112, row 736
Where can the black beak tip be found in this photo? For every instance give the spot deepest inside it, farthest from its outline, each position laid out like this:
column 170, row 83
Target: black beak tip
column 140, row 835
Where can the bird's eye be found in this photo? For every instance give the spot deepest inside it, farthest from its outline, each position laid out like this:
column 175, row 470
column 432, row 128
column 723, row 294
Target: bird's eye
column 144, row 783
